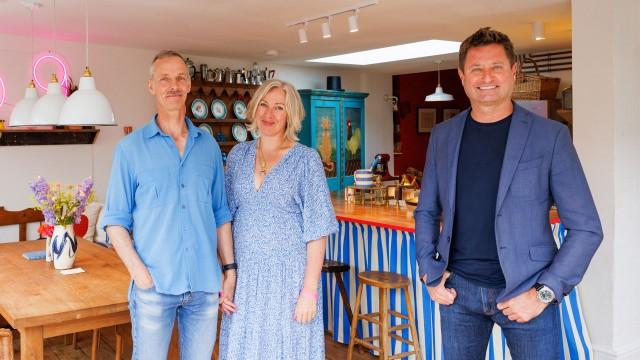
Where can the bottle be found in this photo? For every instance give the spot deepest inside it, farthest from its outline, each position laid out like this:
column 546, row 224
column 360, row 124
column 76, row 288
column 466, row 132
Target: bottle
column 192, row 68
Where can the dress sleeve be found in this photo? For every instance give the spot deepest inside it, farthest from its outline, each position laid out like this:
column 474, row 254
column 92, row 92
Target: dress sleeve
column 233, row 162
column 318, row 217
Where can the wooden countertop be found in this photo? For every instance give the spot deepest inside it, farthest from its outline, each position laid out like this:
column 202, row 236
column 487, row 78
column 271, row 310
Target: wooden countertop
column 383, row 216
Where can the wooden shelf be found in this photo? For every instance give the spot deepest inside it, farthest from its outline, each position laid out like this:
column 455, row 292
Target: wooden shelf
column 22, row 137
column 220, row 122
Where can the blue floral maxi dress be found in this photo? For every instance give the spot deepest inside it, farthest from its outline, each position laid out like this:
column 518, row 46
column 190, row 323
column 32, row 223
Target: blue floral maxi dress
column 271, row 228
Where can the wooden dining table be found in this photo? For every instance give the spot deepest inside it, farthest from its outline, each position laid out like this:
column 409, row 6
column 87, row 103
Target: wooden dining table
column 40, row 302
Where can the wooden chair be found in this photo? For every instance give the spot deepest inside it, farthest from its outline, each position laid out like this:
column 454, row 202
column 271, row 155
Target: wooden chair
column 385, row 281
column 20, row 218
column 6, row 344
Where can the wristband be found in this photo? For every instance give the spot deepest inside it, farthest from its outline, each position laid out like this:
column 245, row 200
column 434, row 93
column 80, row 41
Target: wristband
column 232, row 266
column 313, row 295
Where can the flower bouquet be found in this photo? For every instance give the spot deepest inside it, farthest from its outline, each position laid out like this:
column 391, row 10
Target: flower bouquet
column 61, row 206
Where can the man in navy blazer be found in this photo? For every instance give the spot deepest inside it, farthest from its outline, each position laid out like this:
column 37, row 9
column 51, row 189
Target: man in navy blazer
column 484, row 245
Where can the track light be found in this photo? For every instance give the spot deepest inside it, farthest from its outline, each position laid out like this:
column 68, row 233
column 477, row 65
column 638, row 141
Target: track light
column 326, row 28
column 353, row 21
column 538, row 30
column 302, row 34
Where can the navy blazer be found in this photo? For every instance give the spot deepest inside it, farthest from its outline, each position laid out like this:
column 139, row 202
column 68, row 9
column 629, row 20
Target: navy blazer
column 540, row 168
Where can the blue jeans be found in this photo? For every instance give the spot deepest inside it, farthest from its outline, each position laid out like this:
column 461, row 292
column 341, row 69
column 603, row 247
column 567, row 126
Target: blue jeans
column 152, row 317
column 468, row 322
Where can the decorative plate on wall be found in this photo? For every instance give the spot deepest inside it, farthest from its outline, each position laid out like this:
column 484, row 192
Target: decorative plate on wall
column 240, row 110
column 206, row 128
column 199, row 109
column 239, row 132
column 218, row 109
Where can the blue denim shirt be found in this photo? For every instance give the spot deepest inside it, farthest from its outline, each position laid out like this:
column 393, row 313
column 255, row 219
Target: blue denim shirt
column 171, row 204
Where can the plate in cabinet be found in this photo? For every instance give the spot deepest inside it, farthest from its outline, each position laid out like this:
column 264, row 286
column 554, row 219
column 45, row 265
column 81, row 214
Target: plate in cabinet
column 218, row 109
column 239, row 132
column 206, row 128
column 240, row 110
column 199, row 109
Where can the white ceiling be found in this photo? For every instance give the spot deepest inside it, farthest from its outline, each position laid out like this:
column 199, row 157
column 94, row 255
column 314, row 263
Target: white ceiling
column 247, row 28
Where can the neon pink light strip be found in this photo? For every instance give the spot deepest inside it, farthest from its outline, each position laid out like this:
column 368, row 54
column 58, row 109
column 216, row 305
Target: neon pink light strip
column 56, row 59
column 3, row 92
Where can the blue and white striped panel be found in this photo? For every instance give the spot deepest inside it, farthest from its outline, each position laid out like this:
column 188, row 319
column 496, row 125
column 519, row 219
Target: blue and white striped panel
column 371, row 248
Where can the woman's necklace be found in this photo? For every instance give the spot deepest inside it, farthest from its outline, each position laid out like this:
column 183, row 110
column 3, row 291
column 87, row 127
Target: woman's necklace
column 263, row 162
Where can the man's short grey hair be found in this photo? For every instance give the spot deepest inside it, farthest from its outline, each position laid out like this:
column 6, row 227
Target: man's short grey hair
column 164, row 54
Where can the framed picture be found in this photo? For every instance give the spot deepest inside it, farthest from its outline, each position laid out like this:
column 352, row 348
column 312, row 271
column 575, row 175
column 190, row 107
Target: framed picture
column 426, row 120
column 449, row 113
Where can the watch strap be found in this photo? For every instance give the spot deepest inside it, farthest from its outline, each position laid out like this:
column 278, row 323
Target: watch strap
column 231, row 266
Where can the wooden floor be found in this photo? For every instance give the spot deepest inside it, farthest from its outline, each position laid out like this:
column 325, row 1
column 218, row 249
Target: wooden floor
column 58, row 349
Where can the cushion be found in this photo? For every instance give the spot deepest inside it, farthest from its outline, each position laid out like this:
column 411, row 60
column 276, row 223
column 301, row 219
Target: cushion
column 92, row 211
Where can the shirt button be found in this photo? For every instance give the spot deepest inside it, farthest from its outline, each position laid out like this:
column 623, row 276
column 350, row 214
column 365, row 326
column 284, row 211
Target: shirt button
column 182, row 185
column 184, row 207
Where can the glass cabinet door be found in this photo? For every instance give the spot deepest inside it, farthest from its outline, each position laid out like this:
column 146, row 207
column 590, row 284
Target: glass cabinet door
column 325, row 138
column 353, row 139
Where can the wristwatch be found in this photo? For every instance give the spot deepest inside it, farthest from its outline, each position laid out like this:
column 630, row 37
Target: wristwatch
column 544, row 293
column 232, row 266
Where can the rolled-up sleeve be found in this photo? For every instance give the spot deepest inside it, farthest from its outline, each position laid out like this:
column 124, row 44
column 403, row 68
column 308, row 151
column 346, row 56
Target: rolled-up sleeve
column 218, row 195
column 120, row 193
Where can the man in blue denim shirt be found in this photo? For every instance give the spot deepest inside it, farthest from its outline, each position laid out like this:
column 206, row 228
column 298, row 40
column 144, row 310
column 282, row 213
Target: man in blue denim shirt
column 167, row 191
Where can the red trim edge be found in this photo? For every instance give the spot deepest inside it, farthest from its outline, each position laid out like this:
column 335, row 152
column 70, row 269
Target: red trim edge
column 375, row 223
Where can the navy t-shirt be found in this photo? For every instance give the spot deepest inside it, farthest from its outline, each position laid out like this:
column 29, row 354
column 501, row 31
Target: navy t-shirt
column 474, row 254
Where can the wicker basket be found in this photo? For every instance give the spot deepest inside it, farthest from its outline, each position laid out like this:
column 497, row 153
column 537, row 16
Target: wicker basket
column 534, row 87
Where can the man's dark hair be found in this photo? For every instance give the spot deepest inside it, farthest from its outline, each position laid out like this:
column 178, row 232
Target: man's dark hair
column 483, row 37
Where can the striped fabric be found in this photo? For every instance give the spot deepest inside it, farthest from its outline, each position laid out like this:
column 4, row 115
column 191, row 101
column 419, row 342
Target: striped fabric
column 371, row 248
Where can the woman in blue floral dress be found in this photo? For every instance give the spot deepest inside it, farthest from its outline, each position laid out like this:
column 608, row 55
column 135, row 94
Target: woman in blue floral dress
column 282, row 214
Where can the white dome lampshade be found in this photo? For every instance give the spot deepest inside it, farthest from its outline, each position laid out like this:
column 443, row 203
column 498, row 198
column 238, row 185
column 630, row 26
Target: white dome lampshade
column 21, row 114
column 87, row 106
column 46, row 111
column 439, row 95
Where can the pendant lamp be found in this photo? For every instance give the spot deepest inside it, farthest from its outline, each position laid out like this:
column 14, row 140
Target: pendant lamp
column 21, row 114
column 87, row 106
column 439, row 94
column 46, row 111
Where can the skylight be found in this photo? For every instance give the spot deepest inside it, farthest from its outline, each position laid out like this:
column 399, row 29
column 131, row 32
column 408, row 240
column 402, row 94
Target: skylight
column 414, row 50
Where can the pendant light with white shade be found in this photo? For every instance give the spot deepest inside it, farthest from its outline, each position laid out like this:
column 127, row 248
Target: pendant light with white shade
column 87, row 106
column 46, row 110
column 439, row 94
column 21, row 114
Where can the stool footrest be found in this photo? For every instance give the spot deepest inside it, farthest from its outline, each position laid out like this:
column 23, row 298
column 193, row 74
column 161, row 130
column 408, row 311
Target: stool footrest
column 399, row 327
column 397, row 314
column 400, row 338
column 368, row 342
column 402, row 355
column 370, row 317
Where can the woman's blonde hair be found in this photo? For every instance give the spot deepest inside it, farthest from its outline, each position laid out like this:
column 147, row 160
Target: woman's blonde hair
column 292, row 103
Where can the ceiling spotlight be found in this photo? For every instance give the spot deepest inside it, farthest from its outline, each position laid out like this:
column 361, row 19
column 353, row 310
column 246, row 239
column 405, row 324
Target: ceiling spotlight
column 538, row 30
column 353, row 21
column 302, row 34
column 326, row 28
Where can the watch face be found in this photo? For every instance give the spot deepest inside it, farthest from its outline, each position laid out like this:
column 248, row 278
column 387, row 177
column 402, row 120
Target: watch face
column 545, row 295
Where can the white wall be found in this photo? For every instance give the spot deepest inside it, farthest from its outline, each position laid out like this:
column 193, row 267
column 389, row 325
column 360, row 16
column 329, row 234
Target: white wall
column 606, row 132
column 121, row 74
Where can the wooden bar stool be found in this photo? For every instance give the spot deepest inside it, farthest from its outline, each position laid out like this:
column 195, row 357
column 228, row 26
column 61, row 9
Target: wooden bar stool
column 337, row 268
column 385, row 281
